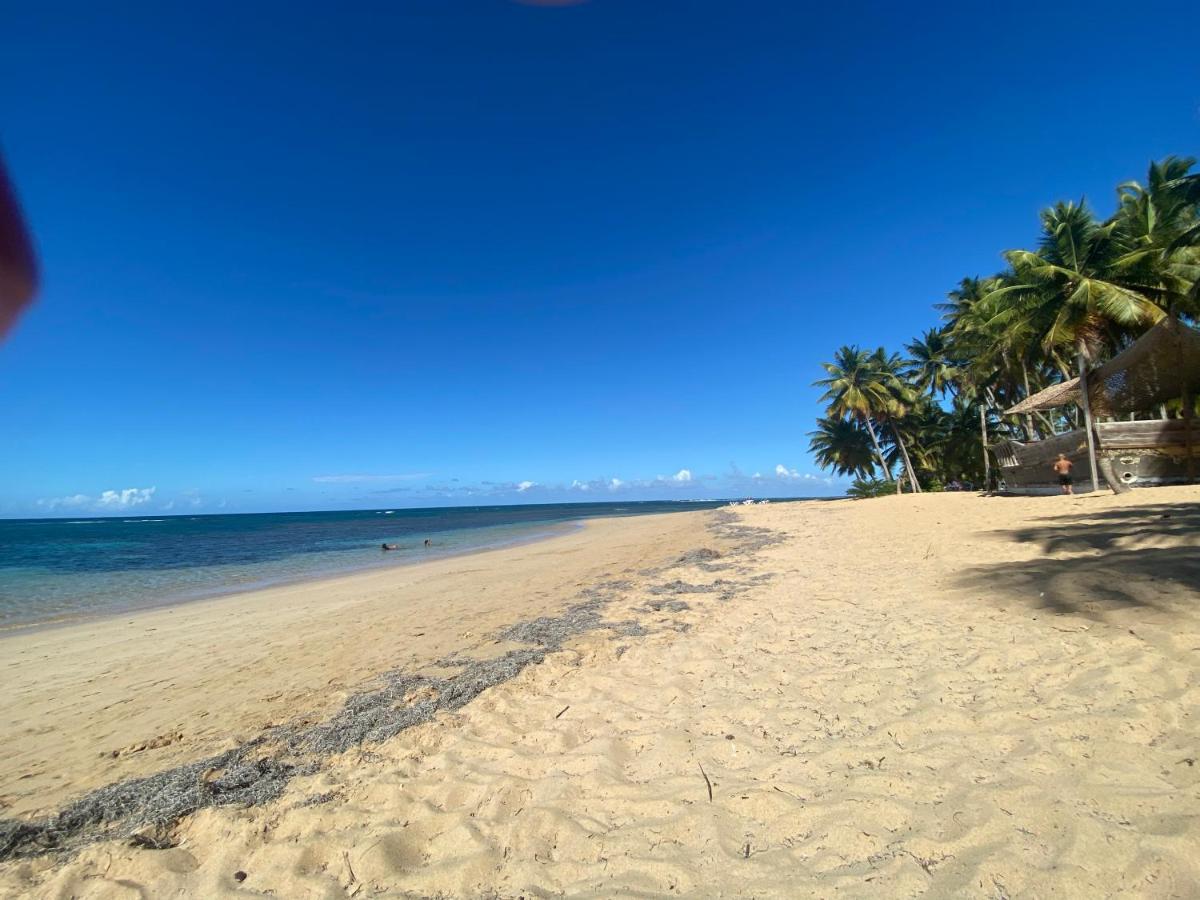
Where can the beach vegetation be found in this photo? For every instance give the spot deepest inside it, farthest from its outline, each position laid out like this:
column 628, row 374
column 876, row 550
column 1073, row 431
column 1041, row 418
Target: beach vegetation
column 865, row 488
column 843, row 445
column 1087, row 289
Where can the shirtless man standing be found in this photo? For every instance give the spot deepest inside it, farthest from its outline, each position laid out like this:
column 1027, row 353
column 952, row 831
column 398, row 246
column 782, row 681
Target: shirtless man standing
column 1062, row 468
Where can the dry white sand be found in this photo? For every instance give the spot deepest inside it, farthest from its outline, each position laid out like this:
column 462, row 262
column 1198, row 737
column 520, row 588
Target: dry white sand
column 941, row 695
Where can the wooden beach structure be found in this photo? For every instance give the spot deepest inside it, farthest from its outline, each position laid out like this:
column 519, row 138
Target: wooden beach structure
column 1126, row 440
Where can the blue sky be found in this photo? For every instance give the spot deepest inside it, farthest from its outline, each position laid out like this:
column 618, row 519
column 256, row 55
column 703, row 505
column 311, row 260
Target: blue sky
column 322, row 256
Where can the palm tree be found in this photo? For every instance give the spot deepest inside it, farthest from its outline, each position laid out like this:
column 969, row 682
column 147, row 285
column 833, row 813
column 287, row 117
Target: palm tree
column 951, row 441
column 1187, row 188
column 889, row 371
column 929, row 366
column 842, row 444
column 966, row 295
column 921, row 429
column 1000, row 343
column 1152, row 224
column 1064, row 286
column 856, row 389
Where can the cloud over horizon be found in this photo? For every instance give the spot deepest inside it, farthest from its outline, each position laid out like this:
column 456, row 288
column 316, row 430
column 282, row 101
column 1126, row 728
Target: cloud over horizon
column 111, row 500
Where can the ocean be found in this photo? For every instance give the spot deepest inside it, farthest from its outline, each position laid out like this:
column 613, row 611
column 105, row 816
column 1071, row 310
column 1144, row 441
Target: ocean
column 62, row 569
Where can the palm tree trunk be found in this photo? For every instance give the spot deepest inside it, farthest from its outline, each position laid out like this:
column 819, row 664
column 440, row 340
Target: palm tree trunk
column 1085, row 403
column 1188, row 406
column 908, row 467
column 878, row 450
column 987, row 462
column 1030, row 433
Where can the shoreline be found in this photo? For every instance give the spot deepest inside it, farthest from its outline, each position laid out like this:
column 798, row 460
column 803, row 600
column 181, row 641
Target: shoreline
column 234, row 578
column 316, row 577
column 90, row 703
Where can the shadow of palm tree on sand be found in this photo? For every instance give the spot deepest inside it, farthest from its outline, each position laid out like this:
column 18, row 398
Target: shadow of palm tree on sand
column 1096, row 562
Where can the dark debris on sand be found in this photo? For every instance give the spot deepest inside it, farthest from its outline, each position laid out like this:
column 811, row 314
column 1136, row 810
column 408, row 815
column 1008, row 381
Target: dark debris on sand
column 144, row 807
column 704, row 558
column 747, row 539
column 668, row 605
column 145, row 810
column 683, row 587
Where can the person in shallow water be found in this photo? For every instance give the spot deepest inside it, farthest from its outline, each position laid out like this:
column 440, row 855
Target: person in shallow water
column 428, row 542
column 389, row 546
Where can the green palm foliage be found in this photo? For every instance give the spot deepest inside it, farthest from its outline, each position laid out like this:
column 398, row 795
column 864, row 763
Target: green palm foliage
column 844, row 446
column 869, row 388
column 962, row 299
column 856, row 388
column 890, row 370
column 1187, row 188
column 1157, row 232
column 930, row 368
column 1063, row 290
column 865, row 488
column 855, row 384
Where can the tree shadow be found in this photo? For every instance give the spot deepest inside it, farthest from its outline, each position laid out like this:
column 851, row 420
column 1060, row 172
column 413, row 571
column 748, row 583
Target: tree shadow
column 1095, row 562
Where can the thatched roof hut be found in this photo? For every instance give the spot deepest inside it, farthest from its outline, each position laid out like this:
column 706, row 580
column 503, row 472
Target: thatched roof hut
column 1161, row 365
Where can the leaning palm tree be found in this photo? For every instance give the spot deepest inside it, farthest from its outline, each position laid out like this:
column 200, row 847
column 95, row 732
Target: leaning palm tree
column 921, row 433
column 855, row 388
column 889, row 370
column 842, row 444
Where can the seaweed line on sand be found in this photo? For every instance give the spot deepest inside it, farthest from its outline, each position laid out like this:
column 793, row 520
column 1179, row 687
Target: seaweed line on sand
column 146, row 810
column 259, row 770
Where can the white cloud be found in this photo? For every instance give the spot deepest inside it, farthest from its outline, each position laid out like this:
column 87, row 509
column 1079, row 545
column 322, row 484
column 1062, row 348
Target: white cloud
column 525, row 485
column 348, row 479
column 783, row 472
column 108, row 500
column 126, row 498
column 756, row 475
column 683, row 476
column 597, row 484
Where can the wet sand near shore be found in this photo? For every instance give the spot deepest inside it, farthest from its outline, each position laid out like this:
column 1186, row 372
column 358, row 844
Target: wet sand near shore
column 943, row 695
column 126, row 696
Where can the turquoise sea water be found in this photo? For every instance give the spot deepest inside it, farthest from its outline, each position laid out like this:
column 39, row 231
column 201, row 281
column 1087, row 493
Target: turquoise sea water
column 66, row 568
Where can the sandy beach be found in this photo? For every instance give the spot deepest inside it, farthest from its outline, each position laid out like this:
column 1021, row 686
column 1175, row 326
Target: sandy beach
column 941, row 695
